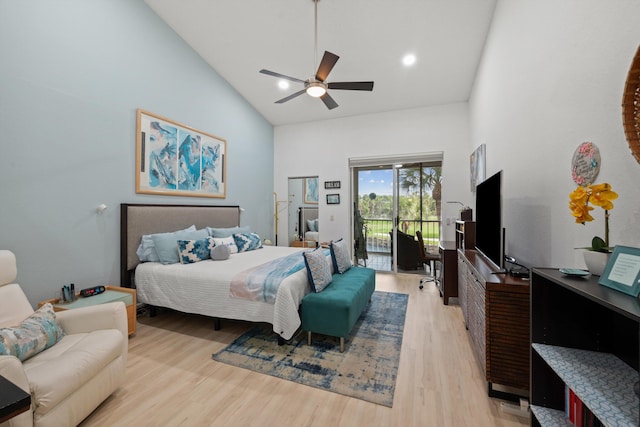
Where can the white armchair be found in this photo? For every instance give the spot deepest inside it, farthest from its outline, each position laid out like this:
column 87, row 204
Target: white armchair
column 68, row 380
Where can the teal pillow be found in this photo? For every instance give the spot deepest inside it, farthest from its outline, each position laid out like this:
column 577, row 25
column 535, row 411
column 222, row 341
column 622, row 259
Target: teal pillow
column 195, row 250
column 167, row 244
column 247, row 241
column 35, row 334
column 146, row 250
column 318, row 270
column 340, row 256
column 227, row 232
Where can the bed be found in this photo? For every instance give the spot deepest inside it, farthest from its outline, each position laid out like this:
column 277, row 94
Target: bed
column 203, row 287
column 308, row 223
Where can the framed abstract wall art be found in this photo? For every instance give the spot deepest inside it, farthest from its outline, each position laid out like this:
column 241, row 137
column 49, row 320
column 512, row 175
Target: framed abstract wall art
column 478, row 164
column 177, row 160
column 311, row 190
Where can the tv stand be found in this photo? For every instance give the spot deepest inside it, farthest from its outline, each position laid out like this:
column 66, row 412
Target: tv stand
column 495, row 308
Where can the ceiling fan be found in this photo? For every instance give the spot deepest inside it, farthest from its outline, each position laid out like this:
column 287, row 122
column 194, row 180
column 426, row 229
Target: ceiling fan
column 317, row 85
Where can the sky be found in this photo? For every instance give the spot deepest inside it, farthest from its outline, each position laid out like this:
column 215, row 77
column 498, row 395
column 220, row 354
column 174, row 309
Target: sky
column 378, row 181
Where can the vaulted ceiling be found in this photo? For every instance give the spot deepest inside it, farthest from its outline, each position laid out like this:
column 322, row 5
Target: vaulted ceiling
column 237, row 38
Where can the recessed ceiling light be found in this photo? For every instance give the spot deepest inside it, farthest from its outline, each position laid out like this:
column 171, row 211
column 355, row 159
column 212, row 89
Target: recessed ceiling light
column 409, row 59
column 283, row 84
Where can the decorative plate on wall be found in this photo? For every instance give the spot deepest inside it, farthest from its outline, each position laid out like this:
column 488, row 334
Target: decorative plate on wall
column 631, row 107
column 585, row 163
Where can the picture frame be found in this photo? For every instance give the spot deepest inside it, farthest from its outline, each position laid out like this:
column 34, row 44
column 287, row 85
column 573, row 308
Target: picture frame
column 622, row 272
column 174, row 159
column 311, row 190
column 333, row 199
column 331, row 184
column 477, row 163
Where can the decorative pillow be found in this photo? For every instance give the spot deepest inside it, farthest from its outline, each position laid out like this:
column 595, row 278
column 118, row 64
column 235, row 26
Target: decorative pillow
column 227, row 232
column 167, row 244
column 227, row 241
column 146, row 250
column 195, row 250
column 318, row 270
column 316, row 224
column 247, row 241
column 340, row 256
column 311, row 225
column 220, row 253
column 35, row 334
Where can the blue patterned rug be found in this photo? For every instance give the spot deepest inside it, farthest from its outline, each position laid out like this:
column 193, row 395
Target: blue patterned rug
column 366, row 370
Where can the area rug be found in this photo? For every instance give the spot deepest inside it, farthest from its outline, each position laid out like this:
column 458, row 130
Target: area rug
column 366, row 370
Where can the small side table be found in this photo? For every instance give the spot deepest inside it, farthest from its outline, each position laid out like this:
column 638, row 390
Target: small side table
column 304, row 243
column 13, row 400
column 111, row 293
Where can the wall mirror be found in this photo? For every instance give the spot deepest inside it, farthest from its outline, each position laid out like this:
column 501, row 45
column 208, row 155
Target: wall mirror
column 303, row 223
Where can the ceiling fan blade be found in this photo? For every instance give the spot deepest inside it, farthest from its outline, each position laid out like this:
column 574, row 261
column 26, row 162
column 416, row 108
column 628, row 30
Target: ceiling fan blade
column 293, row 95
column 351, row 85
column 326, row 65
column 282, row 76
column 329, row 101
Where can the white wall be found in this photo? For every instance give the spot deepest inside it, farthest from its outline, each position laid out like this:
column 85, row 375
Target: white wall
column 323, row 148
column 552, row 77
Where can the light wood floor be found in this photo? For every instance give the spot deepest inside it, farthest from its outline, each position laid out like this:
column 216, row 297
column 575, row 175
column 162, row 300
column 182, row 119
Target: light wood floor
column 172, row 380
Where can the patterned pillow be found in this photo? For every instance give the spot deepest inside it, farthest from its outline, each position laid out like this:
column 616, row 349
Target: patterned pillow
column 227, row 241
column 247, row 241
column 340, row 256
column 166, row 244
column 35, row 334
column 318, row 270
column 191, row 251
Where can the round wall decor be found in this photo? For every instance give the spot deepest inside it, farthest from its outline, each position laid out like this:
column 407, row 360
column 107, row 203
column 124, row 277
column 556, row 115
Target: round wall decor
column 585, row 163
column 631, row 107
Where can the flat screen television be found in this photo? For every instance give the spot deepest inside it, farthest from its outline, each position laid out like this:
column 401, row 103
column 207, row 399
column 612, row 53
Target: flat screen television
column 489, row 234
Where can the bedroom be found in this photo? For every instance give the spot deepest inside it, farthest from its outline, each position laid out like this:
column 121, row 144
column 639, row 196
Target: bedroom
column 551, row 77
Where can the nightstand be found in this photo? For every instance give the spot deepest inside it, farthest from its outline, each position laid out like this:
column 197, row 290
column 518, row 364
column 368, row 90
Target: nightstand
column 111, row 293
column 304, row 243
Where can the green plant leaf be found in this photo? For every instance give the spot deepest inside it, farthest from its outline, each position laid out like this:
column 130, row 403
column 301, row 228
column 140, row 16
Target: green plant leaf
column 597, row 244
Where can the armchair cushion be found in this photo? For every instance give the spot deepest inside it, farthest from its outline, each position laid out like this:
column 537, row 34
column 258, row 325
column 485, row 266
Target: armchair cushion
column 35, row 334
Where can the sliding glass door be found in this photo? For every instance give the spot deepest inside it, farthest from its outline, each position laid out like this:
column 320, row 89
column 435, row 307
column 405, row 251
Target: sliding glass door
column 397, row 197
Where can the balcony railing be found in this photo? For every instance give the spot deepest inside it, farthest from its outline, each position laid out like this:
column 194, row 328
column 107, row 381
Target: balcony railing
column 379, row 240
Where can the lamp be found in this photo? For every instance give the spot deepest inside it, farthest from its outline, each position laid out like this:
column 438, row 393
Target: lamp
column 465, row 211
column 316, row 89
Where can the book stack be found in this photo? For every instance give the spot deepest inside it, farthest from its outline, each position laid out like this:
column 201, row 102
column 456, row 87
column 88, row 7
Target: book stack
column 578, row 413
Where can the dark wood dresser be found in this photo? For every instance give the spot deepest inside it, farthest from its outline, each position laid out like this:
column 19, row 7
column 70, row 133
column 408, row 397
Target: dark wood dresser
column 496, row 313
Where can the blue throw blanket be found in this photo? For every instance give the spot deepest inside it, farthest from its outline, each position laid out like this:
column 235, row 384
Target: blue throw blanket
column 261, row 283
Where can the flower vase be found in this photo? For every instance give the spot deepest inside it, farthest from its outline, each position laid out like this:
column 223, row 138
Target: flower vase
column 596, row 261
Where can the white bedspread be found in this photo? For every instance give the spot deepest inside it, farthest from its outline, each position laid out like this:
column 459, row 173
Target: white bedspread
column 203, row 288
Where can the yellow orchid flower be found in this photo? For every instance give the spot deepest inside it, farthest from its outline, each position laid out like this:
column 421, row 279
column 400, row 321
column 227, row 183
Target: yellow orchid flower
column 599, row 195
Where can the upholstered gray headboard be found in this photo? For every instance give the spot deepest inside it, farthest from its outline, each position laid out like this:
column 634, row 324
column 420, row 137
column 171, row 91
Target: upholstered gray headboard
column 139, row 219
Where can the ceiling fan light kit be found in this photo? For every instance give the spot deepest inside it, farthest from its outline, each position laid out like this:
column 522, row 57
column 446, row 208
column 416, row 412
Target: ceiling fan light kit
column 317, row 87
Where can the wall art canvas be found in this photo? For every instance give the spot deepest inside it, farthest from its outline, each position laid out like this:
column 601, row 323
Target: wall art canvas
column 177, row 160
column 311, row 190
column 478, row 166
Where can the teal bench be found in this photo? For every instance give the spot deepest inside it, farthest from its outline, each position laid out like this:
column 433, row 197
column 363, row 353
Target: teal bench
column 336, row 309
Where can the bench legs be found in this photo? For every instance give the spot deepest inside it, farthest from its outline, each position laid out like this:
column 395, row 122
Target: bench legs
column 341, row 341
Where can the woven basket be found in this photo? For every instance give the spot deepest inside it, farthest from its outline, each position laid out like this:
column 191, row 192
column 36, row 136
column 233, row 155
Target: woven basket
column 631, row 107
